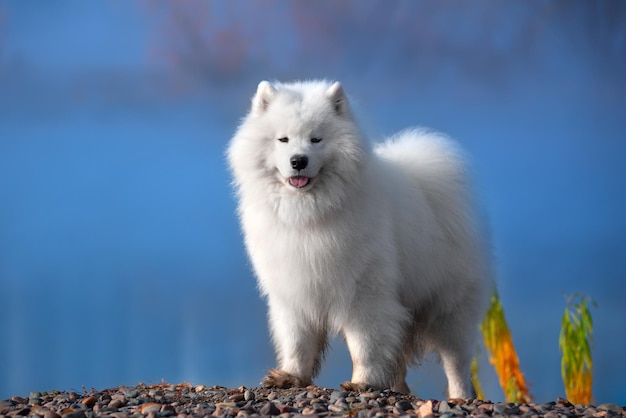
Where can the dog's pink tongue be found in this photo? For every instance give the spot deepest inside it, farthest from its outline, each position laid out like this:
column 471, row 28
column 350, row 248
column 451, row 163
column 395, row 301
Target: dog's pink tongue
column 298, row 181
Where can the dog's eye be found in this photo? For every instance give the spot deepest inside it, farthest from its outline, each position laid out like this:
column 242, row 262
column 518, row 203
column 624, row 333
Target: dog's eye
column 283, row 139
column 316, row 139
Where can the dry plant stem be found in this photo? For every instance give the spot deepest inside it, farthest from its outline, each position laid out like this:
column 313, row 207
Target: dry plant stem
column 502, row 354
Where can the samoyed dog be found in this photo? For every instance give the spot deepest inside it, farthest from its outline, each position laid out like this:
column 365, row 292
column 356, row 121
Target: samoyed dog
column 380, row 245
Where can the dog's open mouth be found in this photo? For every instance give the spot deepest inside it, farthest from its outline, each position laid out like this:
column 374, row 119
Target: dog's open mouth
column 299, row 181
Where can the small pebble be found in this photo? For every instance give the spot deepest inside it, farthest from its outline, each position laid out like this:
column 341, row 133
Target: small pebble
column 504, row 409
column 563, row 401
column 487, row 407
column 369, row 395
column 236, row 397
column 51, row 414
column 335, row 395
column 20, row 412
column 149, row 407
column 337, row 408
column 308, row 410
column 404, row 405
column 167, row 410
column 89, row 401
column 285, row 409
column 301, row 403
column 116, row 403
column 312, row 394
column 443, row 407
column 75, row 414
column 248, row 395
column 269, row 409
column 610, row 407
column 425, row 409
column 131, row 393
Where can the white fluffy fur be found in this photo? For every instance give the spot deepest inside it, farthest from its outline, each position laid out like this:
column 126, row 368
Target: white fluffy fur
column 382, row 246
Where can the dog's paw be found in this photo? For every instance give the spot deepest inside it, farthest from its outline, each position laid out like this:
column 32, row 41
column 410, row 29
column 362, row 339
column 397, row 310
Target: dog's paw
column 355, row 387
column 283, row 380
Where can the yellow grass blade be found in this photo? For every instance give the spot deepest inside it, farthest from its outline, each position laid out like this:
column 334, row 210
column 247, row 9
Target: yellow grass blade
column 475, row 381
column 575, row 341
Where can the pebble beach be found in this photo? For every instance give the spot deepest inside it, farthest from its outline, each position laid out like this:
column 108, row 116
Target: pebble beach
column 198, row 401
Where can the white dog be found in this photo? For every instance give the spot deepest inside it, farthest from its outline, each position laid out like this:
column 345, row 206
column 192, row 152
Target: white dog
column 381, row 246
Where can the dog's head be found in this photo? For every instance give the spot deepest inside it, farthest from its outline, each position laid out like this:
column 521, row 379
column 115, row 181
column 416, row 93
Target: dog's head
column 305, row 122
column 299, row 140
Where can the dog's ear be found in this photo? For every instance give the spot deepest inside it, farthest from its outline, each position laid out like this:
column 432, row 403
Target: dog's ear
column 261, row 100
column 337, row 98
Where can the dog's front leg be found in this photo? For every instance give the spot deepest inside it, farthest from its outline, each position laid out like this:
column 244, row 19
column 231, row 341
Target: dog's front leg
column 299, row 347
column 375, row 341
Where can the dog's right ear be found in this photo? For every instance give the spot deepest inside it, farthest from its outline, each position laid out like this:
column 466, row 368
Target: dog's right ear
column 338, row 98
column 265, row 92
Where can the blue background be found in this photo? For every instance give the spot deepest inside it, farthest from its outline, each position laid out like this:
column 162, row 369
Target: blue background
column 120, row 255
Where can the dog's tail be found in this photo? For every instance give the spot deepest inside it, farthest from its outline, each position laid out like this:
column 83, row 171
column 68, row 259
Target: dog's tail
column 436, row 165
column 431, row 159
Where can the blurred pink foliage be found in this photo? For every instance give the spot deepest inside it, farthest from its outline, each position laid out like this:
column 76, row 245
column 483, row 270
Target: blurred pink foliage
column 225, row 40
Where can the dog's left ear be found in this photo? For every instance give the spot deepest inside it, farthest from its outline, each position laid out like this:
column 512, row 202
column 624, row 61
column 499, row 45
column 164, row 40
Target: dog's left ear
column 265, row 92
column 338, row 98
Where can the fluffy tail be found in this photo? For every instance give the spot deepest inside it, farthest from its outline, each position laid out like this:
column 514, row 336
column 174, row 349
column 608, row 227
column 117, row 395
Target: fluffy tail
column 437, row 167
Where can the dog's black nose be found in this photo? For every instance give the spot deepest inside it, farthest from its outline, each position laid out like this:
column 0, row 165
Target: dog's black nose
column 299, row 162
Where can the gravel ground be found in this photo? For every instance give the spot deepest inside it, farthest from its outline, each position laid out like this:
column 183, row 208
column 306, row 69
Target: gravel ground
column 188, row 401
